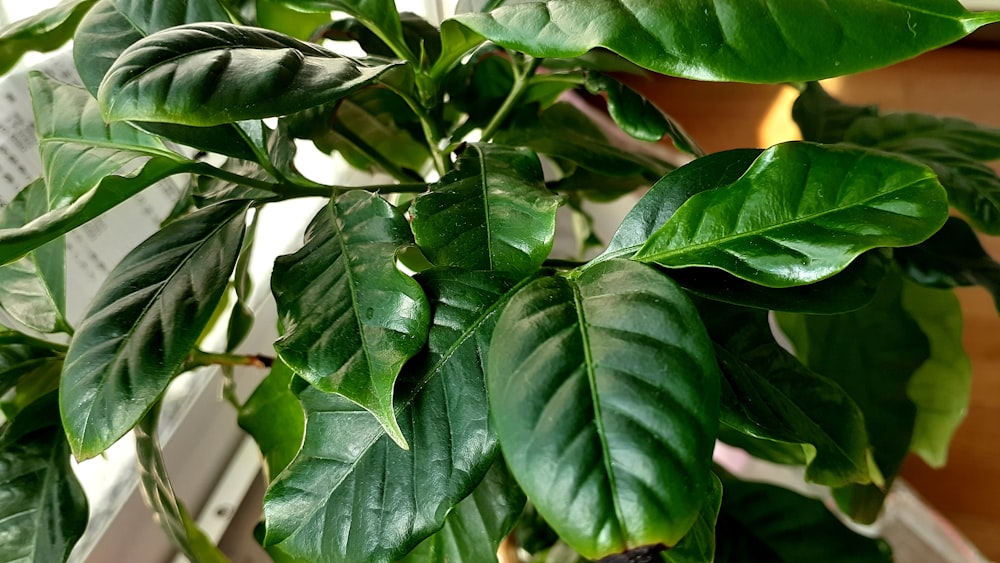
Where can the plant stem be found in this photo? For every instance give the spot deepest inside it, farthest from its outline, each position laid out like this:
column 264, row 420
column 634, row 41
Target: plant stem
column 429, row 127
column 313, row 189
column 559, row 263
column 522, row 79
column 200, row 358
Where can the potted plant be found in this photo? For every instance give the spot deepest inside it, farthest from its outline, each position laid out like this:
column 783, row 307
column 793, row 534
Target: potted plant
column 441, row 383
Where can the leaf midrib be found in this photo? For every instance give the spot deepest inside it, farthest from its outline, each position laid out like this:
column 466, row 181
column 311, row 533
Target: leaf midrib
column 120, row 147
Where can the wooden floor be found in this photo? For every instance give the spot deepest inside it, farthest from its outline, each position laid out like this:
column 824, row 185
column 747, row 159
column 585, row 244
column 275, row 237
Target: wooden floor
column 959, row 81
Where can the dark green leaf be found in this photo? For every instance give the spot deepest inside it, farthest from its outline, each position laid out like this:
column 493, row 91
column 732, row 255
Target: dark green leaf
column 143, row 323
column 172, row 515
column 36, row 380
column 298, row 24
column 33, row 289
column 491, row 213
column 766, row 523
column 476, row 526
column 942, row 386
column 45, row 31
column 698, row 545
column 597, row 187
column 563, row 131
column 952, row 257
column 380, row 16
column 670, row 192
column 418, row 35
column 872, row 353
column 351, row 317
column 822, row 118
column 44, row 510
column 637, row 116
column 274, row 417
column 604, row 390
column 739, row 42
column 351, row 484
column 21, row 356
column 241, row 317
column 802, row 213
column 213, row 73
column 768, row 394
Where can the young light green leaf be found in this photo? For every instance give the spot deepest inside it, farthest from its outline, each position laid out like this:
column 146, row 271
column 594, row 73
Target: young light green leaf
column 33, row 289
column 941, row 387
column 737, row 42
column 887, row 347
column 142, row 325
column 158, row 493
column 824, row 119
column 298, row 24
column 952, row 257
column 604, row 390
column 380, row 16
column 698, row 545
column 768, row 394
column 44, row 511
column 351, row 317
column 45, row 31
column 207, row 74
column 491, row 213
column 274, row 418
column 760, row 522
column 113, row 25
column 476, row 526
column 352, row 485
column 802, row 213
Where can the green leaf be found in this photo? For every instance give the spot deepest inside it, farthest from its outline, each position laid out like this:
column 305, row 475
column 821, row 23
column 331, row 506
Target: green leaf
column 802, row 213
column 952, row 257
column 456, row 41
column 351, row 317
column 300, row 25
column 873, row 354
column 380, row 16
column 113, row 25
column 36, row 380
column 604, row 390
column 78, row 149
column 172, row 515
column 736, row 42
column 33, row 289
column 822, row 118
column 45, row 31
column 941, row 387
column 637, row 116
column 44, row 509
column 953, row 148
column 476, row 526
column 762, row 522
column 142, row 325
column 352, row 485
column 698, row 545
column 274, row 418
column 418, row 35
column 21, row 357
column 768, row 394
column 241, row 317
column 214, row 73
column 491, row 213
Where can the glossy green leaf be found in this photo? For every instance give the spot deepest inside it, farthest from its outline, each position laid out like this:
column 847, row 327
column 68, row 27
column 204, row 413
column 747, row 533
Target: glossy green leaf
column 21, row 357
column 954, row 148
column 351, row 317
column 604, row 391
column 380, row 16
column 762, row 522
column 173, row 517
column 952, row 257
column 667, row 195
column 214, row 73
column 637, row 116
column 37, row 383
column 113, row 25
column 698, row 545
column 802, row 213
column 562, row 131
column 456, row 41
column 730, row 41
column 822, row 118
column 44, row 509
column 142, row 324
column 476, row 526
column 300, row 25
column 873, row 354
column 274, row 418
column 491, row 213
column 33, row 289
column 768, row 394
column 45, row 31
column 352, row 485
column 941, row 387
column 78, row 149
